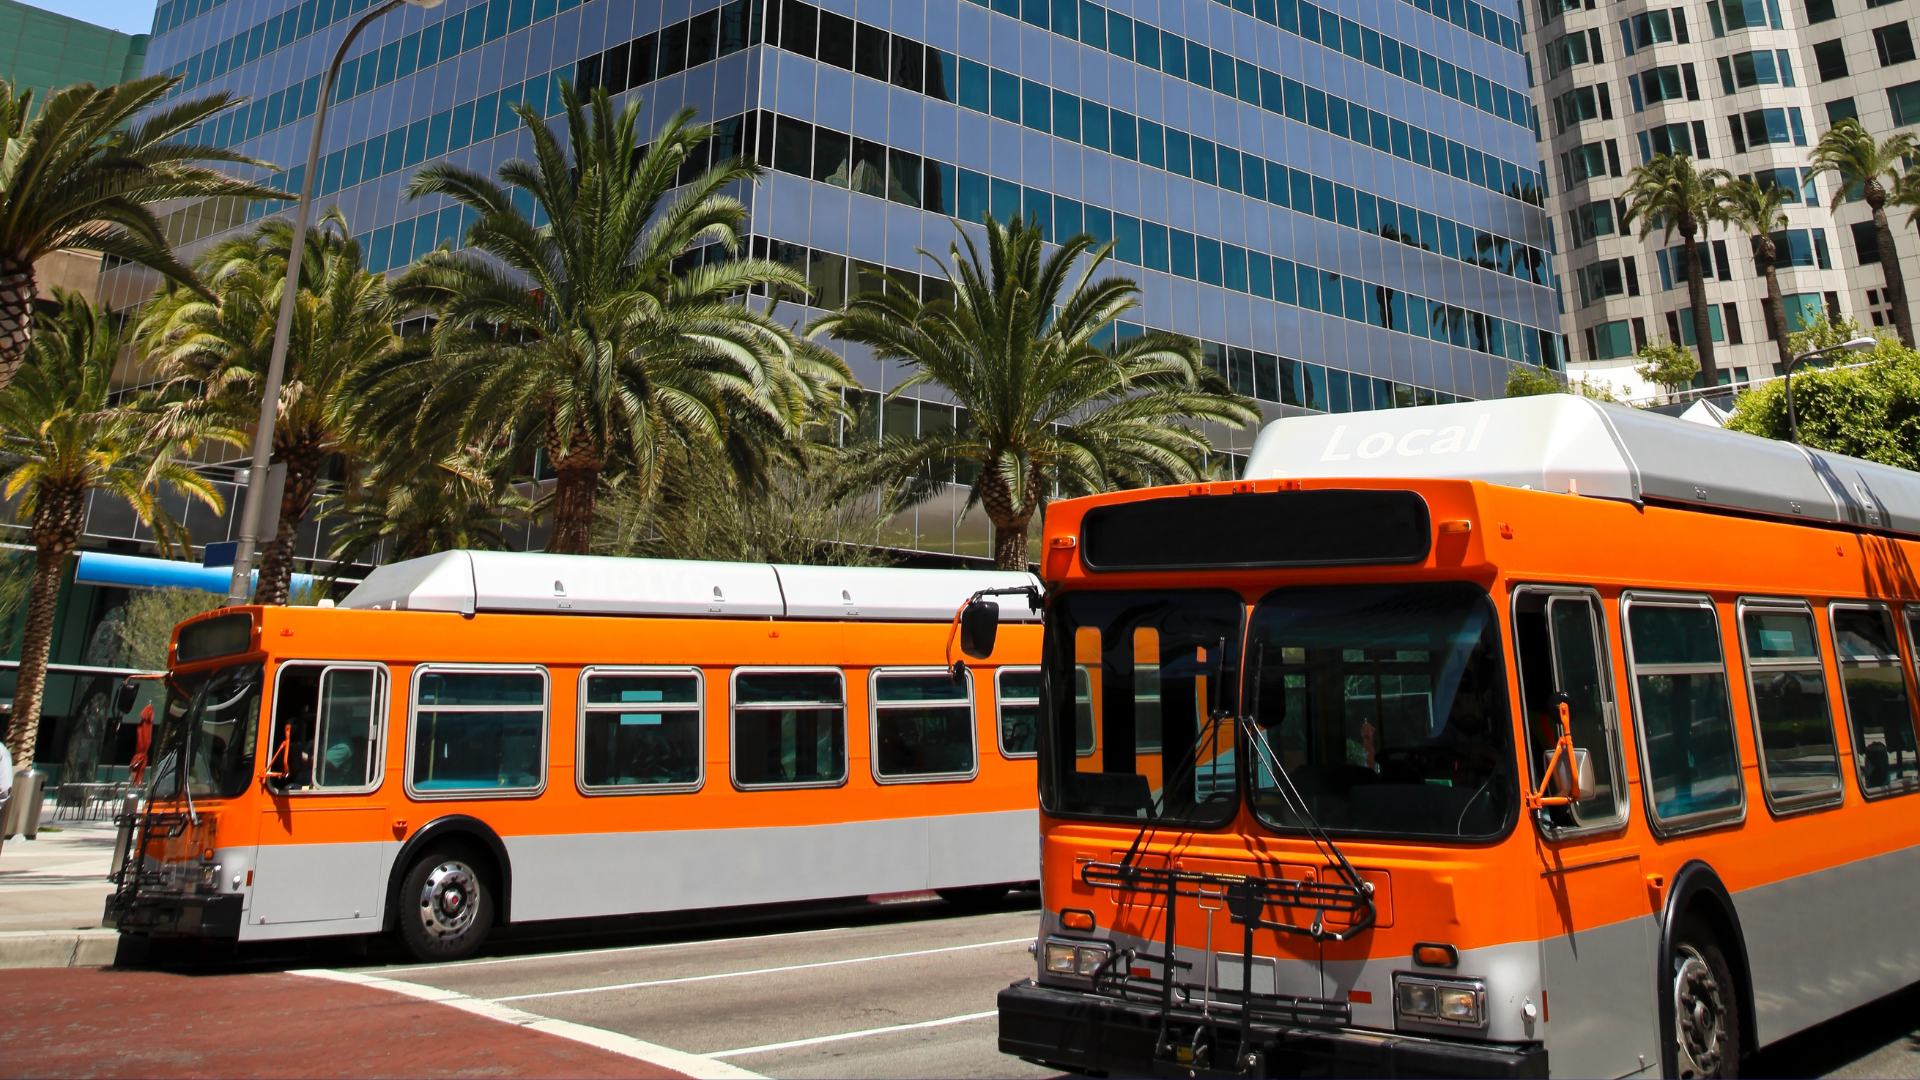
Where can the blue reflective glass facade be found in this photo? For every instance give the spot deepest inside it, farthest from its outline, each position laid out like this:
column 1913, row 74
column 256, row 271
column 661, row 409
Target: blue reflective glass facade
column 1342, row 201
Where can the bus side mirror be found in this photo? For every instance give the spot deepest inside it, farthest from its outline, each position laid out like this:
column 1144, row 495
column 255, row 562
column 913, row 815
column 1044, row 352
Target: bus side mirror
column 1567, row 772
column 979, row 625
column 123, row 700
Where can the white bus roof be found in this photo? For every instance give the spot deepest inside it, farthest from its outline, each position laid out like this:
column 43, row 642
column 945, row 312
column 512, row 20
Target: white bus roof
column 1565, row 443
column 534, row 582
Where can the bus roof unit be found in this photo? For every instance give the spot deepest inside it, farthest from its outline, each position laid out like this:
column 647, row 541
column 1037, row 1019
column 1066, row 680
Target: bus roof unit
column 1565, row 443
column 533, row 582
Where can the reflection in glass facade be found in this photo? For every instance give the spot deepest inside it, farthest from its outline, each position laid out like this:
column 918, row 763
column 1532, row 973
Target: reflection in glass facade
column 1344, row 205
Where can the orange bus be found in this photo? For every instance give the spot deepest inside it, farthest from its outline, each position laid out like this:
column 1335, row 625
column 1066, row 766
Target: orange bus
column 474, row 738
column 1527, row 737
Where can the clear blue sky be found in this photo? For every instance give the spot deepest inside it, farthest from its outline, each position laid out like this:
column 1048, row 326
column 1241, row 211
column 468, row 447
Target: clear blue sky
column 126, row 16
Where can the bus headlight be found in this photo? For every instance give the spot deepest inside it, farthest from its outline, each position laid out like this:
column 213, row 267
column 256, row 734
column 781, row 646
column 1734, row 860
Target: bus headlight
column 1442, row 1002
column 1080, row 958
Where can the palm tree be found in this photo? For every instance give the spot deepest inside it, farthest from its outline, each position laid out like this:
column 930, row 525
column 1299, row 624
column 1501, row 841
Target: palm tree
column 581, row 338
column 1755, row 210
column 415, row 506
column 1874, row 167
column 1668, row 193
column 1047, row 405
column 80, row 174
column 65, row 434
column 343, row 324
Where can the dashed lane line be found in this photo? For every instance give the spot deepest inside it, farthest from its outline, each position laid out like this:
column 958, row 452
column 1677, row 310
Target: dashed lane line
column 761, row 971
column 942, row 1022
column 693, row 1065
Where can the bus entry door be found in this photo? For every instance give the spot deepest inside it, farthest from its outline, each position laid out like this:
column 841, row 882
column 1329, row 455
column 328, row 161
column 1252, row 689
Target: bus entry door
column 322, row 848
column 1597, row 931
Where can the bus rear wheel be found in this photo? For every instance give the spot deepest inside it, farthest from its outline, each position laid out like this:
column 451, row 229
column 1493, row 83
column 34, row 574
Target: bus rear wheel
column 446, row 906
column 1706, row 1010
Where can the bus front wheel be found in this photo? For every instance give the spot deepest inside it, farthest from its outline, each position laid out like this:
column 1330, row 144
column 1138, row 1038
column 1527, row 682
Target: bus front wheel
column 1706, row 1013
column 446, row 906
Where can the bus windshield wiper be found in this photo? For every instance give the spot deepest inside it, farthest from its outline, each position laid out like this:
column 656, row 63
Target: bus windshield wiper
column 1264, row 755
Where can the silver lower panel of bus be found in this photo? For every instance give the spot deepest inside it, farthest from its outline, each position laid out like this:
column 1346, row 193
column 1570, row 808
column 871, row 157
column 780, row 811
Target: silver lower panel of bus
column 586, row 874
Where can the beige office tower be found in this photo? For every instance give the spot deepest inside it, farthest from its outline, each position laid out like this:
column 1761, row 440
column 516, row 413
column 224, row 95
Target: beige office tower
column 1742, row 85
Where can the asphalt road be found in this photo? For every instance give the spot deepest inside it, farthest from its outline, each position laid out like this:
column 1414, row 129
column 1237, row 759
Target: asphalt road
column 907, row 990
column 909, row 996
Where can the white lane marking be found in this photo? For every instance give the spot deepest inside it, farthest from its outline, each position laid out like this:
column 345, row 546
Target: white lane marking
column 458, row 964
column 853, row 1035
column 762, row 971
column 694, row 1065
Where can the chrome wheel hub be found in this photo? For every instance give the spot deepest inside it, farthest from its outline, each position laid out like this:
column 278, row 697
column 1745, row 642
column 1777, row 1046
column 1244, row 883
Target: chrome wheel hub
column 1699, row 1015
column 449, row 901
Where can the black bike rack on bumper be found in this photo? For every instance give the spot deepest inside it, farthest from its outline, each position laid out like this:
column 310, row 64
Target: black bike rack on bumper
column 1090, row 1032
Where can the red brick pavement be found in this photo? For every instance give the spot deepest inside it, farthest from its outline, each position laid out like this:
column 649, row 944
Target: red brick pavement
column 84, row 1022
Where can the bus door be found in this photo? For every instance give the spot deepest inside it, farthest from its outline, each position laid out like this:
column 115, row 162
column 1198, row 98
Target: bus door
column 323, row 842
column 1598, row 934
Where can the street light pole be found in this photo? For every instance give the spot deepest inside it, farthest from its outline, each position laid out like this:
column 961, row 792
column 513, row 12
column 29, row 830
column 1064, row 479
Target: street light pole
column 249, row 540
column 1859, row 344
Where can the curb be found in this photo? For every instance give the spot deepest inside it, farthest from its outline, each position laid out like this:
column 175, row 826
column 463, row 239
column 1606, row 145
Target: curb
column 57, row 948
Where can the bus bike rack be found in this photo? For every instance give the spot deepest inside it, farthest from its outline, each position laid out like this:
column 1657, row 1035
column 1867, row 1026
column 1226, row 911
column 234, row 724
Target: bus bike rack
column 1247, row 898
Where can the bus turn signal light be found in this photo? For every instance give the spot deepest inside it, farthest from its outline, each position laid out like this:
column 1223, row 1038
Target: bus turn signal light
column 1077, row 919
column 1441, row 956
column 1456, row 527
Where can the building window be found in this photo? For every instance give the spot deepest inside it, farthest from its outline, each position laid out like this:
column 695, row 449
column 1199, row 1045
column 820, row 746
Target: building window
column 1831, row 56
column 1819, row 11
column 1894, row 44
column 1905, row 101
column 1844, row 109
column 1804, row 310
column 1610, row 341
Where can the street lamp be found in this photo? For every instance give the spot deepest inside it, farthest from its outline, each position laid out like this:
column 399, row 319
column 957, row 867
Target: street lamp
column 1859, row 344
column 276, row 366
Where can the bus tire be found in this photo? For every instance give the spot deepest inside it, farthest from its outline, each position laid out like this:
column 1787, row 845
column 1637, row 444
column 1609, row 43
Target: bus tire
column 1706, row 1008
column 445, row 905
column 974, row 897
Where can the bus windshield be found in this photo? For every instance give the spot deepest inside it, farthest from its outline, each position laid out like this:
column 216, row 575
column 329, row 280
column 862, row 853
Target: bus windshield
column 1139, row 693
column 1387, row 707
column 214, row 716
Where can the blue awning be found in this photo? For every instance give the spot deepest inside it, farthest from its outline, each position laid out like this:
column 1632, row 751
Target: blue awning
column 141, row 572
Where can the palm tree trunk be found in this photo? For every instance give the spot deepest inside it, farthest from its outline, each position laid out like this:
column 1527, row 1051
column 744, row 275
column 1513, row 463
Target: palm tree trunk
column 1009, row 523
column 573, row 499
column 276, row 558
column 1896, row 285
column 1776, row 306
column 16, row 314
column 1697, row 297
column 56, row 528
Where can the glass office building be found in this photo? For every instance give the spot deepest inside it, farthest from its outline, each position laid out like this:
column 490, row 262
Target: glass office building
column 1344, row 205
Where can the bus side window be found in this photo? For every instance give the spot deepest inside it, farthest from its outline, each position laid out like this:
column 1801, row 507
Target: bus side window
column 1559, row 636
column 1689, row 758
column 1792, row 718
column 923, row 726
column 1017, row 697
column 326, row 729
column 640, row 730
column 479, row 729
column 789, row 728
column 1875, row 690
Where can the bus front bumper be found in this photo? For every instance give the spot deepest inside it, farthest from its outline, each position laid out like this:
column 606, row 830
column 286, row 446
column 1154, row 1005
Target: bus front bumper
column 178, row 915
column 1091, row 1033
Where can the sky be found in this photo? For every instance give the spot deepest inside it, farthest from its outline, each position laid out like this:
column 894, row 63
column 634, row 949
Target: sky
column 126, row 16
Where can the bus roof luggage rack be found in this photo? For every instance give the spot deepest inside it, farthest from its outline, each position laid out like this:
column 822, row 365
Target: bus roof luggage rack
column 468, row 582
column 1571, row 444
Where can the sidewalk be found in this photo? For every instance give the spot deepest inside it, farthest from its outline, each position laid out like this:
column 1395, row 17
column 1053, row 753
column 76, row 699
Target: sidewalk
column 58, row 881
column 104, row 1023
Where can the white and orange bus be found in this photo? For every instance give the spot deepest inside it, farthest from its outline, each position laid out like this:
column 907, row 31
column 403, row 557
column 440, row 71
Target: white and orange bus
column 1528, row 737
column 474, row 738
